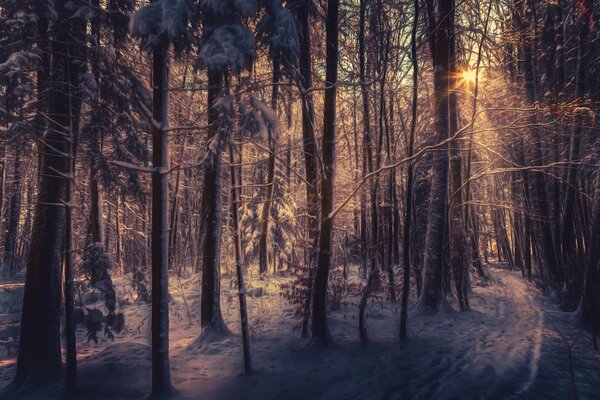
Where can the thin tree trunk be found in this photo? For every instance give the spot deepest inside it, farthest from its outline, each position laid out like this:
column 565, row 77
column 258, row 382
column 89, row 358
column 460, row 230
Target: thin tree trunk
column 410, row 176
column 174, row 214
column 311, row 161
column 161, row 374
column 14, row 213
column 239, row 268
column 71, row 381
column 367, row 143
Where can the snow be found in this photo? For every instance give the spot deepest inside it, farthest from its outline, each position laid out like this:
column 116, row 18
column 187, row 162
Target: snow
column 508, row 347
column 246, row 8
column 18, row 61
column 228, row 45
column 163, row 16
column 284, row 38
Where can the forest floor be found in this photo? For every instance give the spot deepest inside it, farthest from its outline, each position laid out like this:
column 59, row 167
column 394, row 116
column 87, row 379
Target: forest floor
column 513, row 344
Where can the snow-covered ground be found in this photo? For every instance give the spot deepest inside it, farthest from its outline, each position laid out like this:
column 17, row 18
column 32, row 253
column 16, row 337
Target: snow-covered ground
column 509, row 346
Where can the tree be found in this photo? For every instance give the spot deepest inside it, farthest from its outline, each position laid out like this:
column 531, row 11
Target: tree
column 568, row 225
column 39, row 359
column 278, row 29
column 440, row 25
column 320, row 329
column 410, row 177
column 309, row 147
column 458, row 258
column 227, row 46
column 159, row 24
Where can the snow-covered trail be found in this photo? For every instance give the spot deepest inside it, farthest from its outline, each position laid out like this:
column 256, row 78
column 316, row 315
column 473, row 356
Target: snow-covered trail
column 507, row 347
column 494, row 350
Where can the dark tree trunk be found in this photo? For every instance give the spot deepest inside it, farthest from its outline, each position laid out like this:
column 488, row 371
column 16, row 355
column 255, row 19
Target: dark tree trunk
column 96, row 206
column 410, row 177
column 161, row 374
column 320, row 329
column 539, row 185
column 174, row 214
column 210, row 307
column 590, row 301
column 431, row 296
column 568, row 232
column 367, row 166
column 71, row 381
column 14, row 212
column 311, row 160
column 39, row 358
column 239, row 267
column 459, row 259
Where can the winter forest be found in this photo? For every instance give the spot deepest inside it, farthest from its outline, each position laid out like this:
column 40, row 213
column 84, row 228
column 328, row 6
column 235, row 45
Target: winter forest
column 299, row 199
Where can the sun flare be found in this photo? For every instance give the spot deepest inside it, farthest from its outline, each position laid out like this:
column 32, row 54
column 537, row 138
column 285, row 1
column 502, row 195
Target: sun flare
column 468, row 76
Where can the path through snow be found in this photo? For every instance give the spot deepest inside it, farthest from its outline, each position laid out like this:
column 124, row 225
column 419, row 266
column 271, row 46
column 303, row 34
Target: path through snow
column 507, row 347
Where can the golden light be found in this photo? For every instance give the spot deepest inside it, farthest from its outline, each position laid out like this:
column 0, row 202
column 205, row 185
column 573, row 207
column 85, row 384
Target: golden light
column 468, row 76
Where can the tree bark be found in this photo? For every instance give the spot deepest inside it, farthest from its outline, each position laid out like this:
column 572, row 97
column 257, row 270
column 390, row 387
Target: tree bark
column 431, row 296
column 410, row 177
column 161, row 375
column 568, row 232
column 239, row 267
column 320, row 329
column 309, row 146
column 14, row 212
column 210, row 307
column 39, row 358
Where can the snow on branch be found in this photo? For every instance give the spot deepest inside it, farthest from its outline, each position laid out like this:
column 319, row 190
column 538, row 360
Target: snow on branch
column 230, row 45
column 19, row 61
column 258, row 119
column 170, row 17
column 279, row 30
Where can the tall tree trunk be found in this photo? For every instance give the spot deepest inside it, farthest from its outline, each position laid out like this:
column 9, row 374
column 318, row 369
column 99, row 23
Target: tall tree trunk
column 320, row 329
column 71, row 381
column 589, row 306
column 431, row 296
column 367, row 143
column 459, row 259
column 539, row 185
column 568, row 232
column 239, row 268
column 309, row 146
column 174, row 214
column 211, row 317
column 76, row 67
column 39, row 357
column 161, row 374
column 410, row 176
